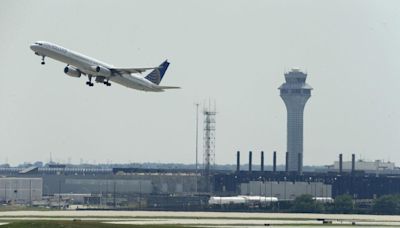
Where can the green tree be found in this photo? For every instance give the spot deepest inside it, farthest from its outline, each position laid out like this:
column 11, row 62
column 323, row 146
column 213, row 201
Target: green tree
column 343, row 204
column 305, row 203
column 387, row 204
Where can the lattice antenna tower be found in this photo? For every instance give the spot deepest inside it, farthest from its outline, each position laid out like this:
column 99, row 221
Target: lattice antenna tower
column 209, row 113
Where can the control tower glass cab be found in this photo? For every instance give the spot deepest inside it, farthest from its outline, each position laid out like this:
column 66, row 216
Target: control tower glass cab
column 295, row 92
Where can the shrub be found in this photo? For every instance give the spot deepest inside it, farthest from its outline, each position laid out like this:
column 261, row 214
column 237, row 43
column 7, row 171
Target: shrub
column 306, row 204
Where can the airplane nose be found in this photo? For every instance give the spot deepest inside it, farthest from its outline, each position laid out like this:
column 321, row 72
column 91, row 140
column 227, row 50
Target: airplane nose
column 33, row 47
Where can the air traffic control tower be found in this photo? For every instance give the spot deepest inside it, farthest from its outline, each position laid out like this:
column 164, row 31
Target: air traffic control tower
column 295, row 93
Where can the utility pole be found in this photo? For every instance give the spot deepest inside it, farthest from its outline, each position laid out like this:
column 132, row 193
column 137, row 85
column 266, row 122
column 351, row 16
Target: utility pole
column 5, row 190
column 115, row 202
column 59, row 194
column 30, row 192
column 197, row 143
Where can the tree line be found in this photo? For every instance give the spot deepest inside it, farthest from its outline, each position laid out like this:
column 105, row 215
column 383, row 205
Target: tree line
column 386, row 204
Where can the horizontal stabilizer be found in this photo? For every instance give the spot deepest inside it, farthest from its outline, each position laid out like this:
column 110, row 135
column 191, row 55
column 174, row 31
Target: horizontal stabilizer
column 169, row 87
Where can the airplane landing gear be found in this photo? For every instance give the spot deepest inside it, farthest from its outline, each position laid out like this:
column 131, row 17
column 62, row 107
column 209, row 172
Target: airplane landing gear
column 107, row 83
column 90, row 83
column 43, row 60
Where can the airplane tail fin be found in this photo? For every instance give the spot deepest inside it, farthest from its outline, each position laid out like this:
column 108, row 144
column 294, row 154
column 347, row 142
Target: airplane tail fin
column 157, row 74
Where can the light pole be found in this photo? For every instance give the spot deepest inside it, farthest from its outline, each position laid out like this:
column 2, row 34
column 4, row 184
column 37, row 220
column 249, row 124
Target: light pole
column 114, row 200
column 59, row 194
column 140, row 194
column 315, row 189
column 315, row 195
column 265, row 188
column 16, row 196
column 197, row 142
column 307, row 188
column 5, row 190
column 284, row 187
column 270, row 181
column 30, row 192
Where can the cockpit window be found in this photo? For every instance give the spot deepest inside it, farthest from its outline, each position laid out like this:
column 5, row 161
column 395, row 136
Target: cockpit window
column 38, row 43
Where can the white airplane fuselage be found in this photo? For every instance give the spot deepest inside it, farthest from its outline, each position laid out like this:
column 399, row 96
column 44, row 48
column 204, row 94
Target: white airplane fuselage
column 87, row 65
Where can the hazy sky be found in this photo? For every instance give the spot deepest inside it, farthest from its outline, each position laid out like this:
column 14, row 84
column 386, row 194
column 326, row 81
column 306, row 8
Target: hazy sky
column 232, row 51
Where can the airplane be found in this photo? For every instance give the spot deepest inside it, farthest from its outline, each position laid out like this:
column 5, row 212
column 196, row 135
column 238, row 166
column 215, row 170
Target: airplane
column 79, row 64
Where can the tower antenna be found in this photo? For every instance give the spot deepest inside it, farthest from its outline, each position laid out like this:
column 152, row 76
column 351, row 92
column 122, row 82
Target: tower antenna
column 209, row 141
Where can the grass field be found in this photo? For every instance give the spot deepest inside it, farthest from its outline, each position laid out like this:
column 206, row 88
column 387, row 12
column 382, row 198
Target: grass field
column 76, row 224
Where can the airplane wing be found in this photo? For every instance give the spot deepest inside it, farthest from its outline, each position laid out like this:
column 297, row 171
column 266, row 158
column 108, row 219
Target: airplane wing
column 132, row 70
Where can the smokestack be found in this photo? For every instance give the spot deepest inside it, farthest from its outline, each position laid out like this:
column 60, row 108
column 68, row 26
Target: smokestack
column 262, row 161
column 299, row 166
column 250, row 159
column 353, row 163
column 287, row 162
column 340, row 163
column 238, row 161
column 274, row 162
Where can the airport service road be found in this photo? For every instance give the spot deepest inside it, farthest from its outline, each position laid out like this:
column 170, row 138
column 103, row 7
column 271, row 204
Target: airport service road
column 204, row 219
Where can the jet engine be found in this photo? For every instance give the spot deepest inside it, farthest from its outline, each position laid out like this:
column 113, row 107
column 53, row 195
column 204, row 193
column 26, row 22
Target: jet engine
column 72, row 71
column 102, row 71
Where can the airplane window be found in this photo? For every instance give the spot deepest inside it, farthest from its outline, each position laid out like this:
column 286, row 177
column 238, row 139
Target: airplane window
column 38, row 43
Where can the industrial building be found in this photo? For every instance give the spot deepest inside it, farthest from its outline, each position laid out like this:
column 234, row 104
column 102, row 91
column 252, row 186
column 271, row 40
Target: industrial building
column 360, row 184
column 285, row 190
column 128, row 187
column 137, row 188
column 20, row 190
column 377, row 165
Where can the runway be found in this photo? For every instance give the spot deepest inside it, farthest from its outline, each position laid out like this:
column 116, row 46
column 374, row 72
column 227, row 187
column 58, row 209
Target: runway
column 207, row 219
